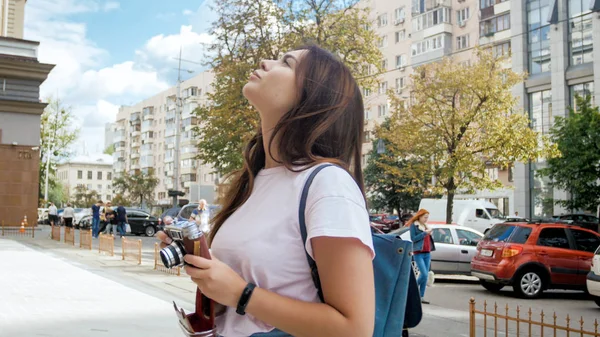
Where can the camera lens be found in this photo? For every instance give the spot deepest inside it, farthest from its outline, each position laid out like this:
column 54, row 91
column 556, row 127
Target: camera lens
column 172, row 255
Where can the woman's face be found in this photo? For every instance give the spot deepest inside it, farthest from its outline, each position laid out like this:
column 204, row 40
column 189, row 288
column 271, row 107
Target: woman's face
column 273, row 89
column 424, row 218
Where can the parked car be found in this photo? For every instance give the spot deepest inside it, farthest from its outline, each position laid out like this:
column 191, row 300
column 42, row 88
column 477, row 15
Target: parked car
column 186, row 211
column 140, row 221
column 172, row 212
column 583, row 220
column 593, row 278
column 455, row 247
column 385, row 222
column 533, row 257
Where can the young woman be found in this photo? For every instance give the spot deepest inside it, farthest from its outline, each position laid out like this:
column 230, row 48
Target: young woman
column 423, row 245
column 311, row 112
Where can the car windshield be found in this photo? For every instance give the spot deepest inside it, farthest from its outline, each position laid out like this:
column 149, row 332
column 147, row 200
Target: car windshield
column 499, row 233
column 495, row 213
column 375, row 218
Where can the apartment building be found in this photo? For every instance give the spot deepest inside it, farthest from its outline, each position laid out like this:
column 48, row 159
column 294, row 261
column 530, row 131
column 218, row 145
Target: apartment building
column 12, row 18
column 95, row 173
column 552, row 40
column 144, row 137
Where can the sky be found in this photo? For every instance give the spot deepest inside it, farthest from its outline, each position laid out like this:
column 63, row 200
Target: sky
column 110, row 53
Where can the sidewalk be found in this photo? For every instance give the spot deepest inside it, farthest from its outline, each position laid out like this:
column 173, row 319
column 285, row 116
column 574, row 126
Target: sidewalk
column 43, row 295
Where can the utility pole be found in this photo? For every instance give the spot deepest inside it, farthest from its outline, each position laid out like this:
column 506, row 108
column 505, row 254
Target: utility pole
column 177, row 122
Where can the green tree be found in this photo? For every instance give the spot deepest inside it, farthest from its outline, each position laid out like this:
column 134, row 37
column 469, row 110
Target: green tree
column 250, row 31
column 576, row 170
column 394, row 180
column 56, row 137
column 138, row 187
column 120, row 200
column 463, row 118
column 83, row 197
column 109, row 150
column 57, row 193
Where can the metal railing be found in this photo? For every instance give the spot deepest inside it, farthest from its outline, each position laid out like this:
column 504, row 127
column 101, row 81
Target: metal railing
column 524, row 325
column 159, row 266
column 132, row 249
column 85, row 239
column 106, row 244
column 70, row 236
column 19, row 231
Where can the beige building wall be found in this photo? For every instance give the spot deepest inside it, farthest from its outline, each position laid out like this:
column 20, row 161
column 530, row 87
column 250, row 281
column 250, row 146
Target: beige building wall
column 12, row 18
column 144, row 138
column 93, row 173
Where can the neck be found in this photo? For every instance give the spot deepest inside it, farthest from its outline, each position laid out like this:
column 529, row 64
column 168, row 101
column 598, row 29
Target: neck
column 271, row 154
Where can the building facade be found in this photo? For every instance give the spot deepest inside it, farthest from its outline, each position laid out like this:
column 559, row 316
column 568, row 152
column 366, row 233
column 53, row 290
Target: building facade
column 20, row 109
column 145, row 140
column 94, row 173
column 12, row 18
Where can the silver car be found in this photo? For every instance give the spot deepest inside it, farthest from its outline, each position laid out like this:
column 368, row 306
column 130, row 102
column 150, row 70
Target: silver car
column 455, row 247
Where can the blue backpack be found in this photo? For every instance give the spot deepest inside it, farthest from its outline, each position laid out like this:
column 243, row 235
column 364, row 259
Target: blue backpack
column 393, row 275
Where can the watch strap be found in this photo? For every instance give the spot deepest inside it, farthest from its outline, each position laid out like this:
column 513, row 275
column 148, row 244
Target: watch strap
column 245, row 298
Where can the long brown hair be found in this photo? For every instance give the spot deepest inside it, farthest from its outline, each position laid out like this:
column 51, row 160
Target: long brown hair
column 325, row 126
column 417, row 216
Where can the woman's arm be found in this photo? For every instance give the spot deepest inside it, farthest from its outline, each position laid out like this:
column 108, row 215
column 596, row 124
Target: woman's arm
column 346, row 271
column 414, row 236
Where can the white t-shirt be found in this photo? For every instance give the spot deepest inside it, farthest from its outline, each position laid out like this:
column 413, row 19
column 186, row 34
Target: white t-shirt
column 261, row 241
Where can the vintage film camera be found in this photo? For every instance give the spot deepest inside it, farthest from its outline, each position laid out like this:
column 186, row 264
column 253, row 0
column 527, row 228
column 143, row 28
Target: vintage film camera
column 189, row 239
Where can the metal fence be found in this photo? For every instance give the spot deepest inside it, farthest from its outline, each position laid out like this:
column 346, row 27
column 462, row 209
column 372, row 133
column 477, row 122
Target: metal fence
column 85, row 239
column 19, row 231
column 158, row 265
column 70, row 236
column 132, row 249
column 522, row 324
column 106, row 244
column 55, row 233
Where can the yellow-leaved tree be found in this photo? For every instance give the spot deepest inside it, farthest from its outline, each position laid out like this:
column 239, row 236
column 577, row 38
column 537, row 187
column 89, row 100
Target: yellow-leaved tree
column 462, row 118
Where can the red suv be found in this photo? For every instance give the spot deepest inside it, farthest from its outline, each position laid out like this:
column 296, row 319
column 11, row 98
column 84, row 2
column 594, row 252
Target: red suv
column 532, row 257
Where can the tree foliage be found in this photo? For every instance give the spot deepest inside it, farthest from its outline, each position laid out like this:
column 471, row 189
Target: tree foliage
column 250, row 31
column 394, row 180
column 109, row 150
column 120, row 200
column 83, row 197
column 463, row 119
column 56, row 137
column 138, row 187
column 577, row 169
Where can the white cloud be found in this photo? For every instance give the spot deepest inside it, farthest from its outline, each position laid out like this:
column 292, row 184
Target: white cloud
column 111, row 5
column 166, row 47
column 188, row 12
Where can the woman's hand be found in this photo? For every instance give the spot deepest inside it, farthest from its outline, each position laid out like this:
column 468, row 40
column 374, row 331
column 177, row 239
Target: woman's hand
column 215, row 279
column 165, row 240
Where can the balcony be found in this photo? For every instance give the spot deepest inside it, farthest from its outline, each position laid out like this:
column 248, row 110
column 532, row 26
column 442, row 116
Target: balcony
column 169, row 132
column 119, row 137
column 119, row 166
column 135, row 166
column 134, row 119
column 135, row 143
column 147, row 161
column 146, row 126
column 118, row 155
column 135, row 155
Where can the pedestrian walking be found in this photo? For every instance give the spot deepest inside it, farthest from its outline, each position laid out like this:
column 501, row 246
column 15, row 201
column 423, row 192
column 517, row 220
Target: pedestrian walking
column 96, row 218
column 68, row 215
column 201, row 215
column 53, row 214
column 121, row 221
column 423, row 245
column 111, row 219
column 311, row 113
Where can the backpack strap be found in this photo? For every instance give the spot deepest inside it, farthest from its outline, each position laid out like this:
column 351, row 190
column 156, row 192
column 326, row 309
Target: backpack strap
column 313, row 265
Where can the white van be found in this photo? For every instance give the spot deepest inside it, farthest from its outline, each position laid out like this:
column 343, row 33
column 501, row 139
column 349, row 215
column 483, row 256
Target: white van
column 477, row 214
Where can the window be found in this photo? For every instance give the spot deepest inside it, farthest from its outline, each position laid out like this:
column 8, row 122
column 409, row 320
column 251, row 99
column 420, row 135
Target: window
column 428, row 45
column 383, row 86
column 417, row 6
column 540, row 111
column 480, row 213
column 521, row 235
column 366, row 92
column 540, row 115
column 585, row 241
column 502, row 49
column 108, row 187
column 400, row 83
column 89, row 187
column 99, row 187
column 79, row 174
column 367, row 137
column 383, row 41
column 462, row 42
column 432, row 18
column 442, row 235
column 494, row 25
column 399, row 15
column 400, row 35
column 553, row 237
column 500, row 233
column 538, row 36
column 462, row 15
column 384, row 64
column 382, row 20
column 99, row 176
column 492, row 173
column 400, row 60
column 467, row 238
column 367, row 114
column 580, row 32
column 108, row 197
column 90, row 174
column 109, row 176
column 381, row 110
column 583, row 89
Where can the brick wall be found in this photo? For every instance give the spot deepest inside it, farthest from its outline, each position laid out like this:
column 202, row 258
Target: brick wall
column 19, row 167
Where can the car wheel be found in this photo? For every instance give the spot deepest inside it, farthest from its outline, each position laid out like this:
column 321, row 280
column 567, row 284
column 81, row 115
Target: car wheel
column 150, row 230
column 493, row 287
column 529, row 284
column 597, row 300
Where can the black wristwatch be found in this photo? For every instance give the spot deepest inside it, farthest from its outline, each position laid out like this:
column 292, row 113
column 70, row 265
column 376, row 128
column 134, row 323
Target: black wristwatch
column 244, row 299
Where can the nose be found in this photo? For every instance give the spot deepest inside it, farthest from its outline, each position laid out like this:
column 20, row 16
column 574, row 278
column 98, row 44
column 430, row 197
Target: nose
column 264, row 65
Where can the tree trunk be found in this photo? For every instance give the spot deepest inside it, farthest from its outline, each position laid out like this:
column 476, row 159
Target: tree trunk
column 450, row 190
